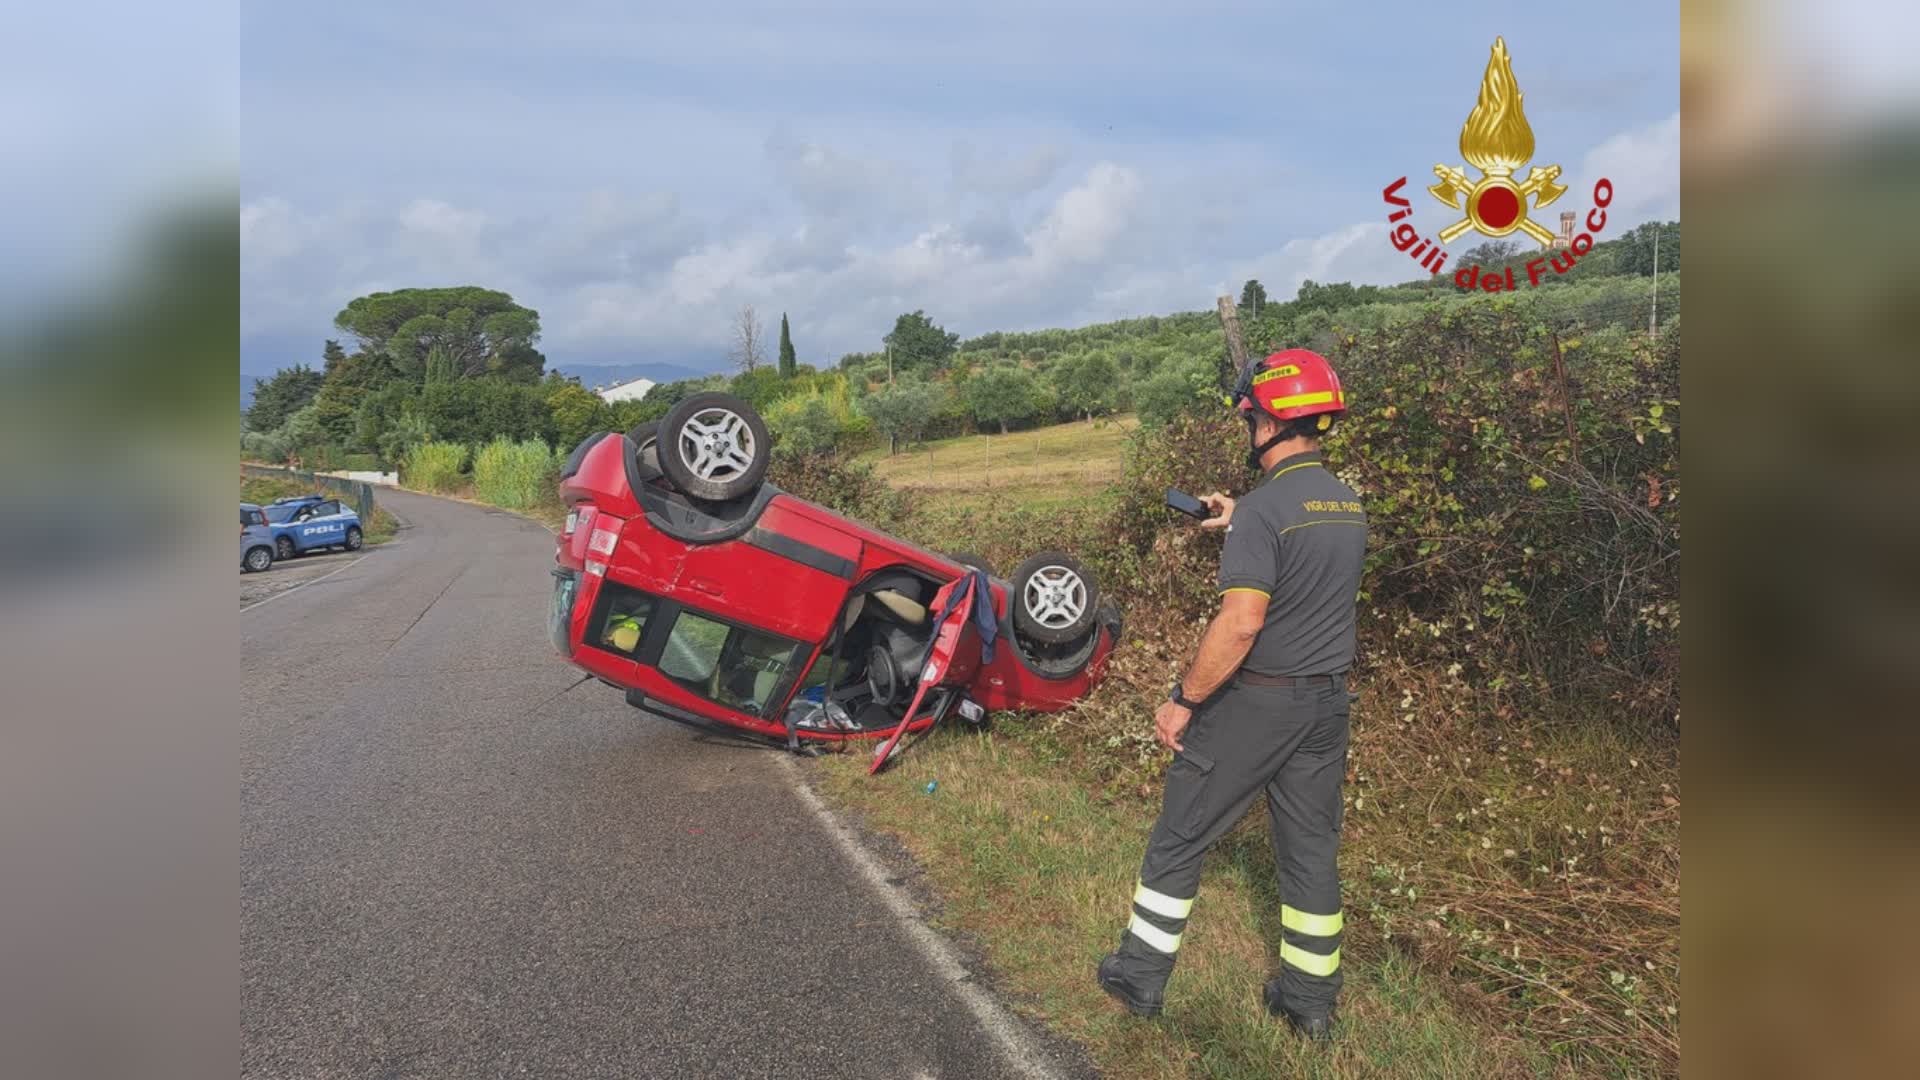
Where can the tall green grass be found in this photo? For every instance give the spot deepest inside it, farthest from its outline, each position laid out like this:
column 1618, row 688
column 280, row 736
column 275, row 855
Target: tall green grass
column 515, row 475
column 435, row 466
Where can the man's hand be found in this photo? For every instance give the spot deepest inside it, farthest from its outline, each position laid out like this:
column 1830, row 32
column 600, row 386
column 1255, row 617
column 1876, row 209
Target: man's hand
column 1169, row 723
column 1222, row 507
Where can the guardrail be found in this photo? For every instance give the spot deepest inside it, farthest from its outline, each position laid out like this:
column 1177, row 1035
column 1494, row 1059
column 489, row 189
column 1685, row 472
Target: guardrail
column 359, row 491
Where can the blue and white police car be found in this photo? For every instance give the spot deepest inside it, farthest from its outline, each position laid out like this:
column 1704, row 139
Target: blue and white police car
column 303, row 523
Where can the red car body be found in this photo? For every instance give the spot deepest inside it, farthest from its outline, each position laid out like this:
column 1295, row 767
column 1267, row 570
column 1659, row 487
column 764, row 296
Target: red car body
column 650, row 585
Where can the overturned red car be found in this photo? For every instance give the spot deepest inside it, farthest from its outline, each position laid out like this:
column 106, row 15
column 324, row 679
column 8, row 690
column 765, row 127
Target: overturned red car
column 717, row 600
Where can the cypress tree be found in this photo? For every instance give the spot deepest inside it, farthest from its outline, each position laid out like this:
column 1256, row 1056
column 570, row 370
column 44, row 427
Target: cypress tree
column 788, row 364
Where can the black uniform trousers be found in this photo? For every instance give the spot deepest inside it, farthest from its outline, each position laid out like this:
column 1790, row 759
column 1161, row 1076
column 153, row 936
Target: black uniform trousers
column 1291, row 743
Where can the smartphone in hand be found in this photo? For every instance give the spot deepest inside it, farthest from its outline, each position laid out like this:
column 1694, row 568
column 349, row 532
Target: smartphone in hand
column 1188, row 505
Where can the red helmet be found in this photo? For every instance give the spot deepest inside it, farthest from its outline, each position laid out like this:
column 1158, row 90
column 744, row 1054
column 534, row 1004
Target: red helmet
column 1290, row 384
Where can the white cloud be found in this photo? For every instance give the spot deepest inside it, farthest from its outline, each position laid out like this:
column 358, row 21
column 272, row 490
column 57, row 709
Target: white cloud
column 1644, row 165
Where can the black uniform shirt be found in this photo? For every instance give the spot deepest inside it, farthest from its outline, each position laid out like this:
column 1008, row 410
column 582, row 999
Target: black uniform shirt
column 1300, row 538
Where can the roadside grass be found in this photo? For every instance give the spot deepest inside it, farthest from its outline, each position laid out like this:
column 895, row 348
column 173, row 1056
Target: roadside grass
column 1511, row 881
column 1067, row 466
column 1037, row 868
column 265, row 489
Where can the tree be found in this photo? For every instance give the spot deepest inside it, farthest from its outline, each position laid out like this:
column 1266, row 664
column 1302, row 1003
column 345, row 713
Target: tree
column 1636, row 249
column 749, row 344
column 788, row 361
column 917, row 343
column 482, row 331
column 1492, row 253
column 760, row 387
column 278, row 397
column 902, row 411
column 1252, row 296
column 478, row 410
column 576, row 412
column 347, row 385
column 1002, row 395
column 331, row 354
column 1088, row 383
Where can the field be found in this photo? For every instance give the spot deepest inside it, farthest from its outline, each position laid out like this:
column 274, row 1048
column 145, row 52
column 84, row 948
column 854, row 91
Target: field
column 1045, row 469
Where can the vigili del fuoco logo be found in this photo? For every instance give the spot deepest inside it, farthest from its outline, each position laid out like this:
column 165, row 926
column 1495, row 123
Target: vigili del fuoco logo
column 1497, row 141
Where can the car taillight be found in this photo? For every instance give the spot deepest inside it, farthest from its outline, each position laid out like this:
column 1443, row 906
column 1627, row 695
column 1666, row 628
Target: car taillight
column 603, row 541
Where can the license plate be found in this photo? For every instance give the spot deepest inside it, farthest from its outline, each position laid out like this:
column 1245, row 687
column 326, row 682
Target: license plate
column 573, row 518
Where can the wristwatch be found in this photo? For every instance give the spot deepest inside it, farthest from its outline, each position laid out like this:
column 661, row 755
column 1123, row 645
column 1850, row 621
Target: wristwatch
column 1180, row 699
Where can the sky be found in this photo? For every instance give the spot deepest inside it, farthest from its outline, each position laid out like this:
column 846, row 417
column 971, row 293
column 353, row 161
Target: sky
column 637, row 173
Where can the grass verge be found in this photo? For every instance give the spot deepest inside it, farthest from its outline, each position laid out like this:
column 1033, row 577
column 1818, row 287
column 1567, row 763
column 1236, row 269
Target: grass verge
column 1038, row 868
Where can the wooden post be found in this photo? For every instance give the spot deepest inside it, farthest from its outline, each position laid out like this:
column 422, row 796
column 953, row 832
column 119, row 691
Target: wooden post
column 989, row 439
column 1236, row 343
column 1566, row 396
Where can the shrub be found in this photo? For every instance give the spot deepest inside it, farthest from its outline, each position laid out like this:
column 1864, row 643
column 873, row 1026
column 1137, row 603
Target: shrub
column 516, row 475
column 435, row 466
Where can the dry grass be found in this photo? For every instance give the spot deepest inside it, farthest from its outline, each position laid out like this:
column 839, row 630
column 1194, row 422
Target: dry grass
column 1038, row 869
column 1047, row 468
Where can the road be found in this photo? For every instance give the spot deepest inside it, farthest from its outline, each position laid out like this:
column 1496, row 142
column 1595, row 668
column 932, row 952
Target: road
column 458, row 860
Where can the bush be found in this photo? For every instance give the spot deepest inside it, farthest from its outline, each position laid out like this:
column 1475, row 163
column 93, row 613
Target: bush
column 435, row 466
column 515, row 475
column 264, row 446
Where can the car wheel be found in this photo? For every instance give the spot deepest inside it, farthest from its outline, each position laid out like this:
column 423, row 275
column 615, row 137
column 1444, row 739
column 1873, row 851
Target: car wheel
column 714, row 447
column 978, row 562
column 646, row 448
column 1055, row 598
column 354, row 539
column 257, row 559
column 283, row 548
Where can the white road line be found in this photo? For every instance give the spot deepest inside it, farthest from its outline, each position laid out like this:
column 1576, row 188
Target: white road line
column 1015, row 1044
column 302, row 585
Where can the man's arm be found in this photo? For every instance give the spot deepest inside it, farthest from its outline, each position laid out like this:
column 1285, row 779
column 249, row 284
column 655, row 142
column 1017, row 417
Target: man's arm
column 1231, row 633
column 1242, row 613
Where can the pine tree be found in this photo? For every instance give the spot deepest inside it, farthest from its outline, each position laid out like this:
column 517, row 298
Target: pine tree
column 788, row 363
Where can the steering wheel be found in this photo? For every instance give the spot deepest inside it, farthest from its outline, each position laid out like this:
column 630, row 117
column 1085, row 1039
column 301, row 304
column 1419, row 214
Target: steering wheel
column 883, row 676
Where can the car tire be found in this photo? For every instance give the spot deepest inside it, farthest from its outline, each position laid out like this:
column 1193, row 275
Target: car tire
column 354, row 538
column 715, row 447
column 1055, row 599
column 283, row 548
column 257, row 560
column 978, row 562
column 646, row 448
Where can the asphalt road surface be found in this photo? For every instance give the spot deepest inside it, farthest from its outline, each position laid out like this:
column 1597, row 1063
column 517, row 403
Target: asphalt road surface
column 458, row 860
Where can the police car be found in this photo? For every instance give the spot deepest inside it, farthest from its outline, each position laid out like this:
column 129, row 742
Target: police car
column 303, row 523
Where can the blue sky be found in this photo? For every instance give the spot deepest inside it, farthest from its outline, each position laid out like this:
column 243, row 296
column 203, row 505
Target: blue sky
column 638, row 173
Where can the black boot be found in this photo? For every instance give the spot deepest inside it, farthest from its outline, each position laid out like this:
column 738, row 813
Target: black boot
column 1311, row 1028
column 1137, row 976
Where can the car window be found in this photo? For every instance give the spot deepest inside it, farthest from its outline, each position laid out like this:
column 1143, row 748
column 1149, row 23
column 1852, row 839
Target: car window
column 737, row 667
column 626, row 621
column 326, row 509
column 279, row 514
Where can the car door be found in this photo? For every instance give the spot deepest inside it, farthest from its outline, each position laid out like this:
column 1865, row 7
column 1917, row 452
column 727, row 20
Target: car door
column 316, row 525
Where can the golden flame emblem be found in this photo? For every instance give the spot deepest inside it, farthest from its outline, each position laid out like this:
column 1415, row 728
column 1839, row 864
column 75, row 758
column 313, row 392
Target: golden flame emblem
column 1497, row 140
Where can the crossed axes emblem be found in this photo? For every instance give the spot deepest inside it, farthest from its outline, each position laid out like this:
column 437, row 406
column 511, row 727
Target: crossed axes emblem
column 1457, row 191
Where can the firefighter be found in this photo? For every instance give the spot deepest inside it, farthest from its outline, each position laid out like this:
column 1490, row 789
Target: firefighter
column 1263, row 705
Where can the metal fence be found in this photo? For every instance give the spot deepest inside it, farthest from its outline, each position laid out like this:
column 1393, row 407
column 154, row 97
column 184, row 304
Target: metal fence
column 359, row 492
